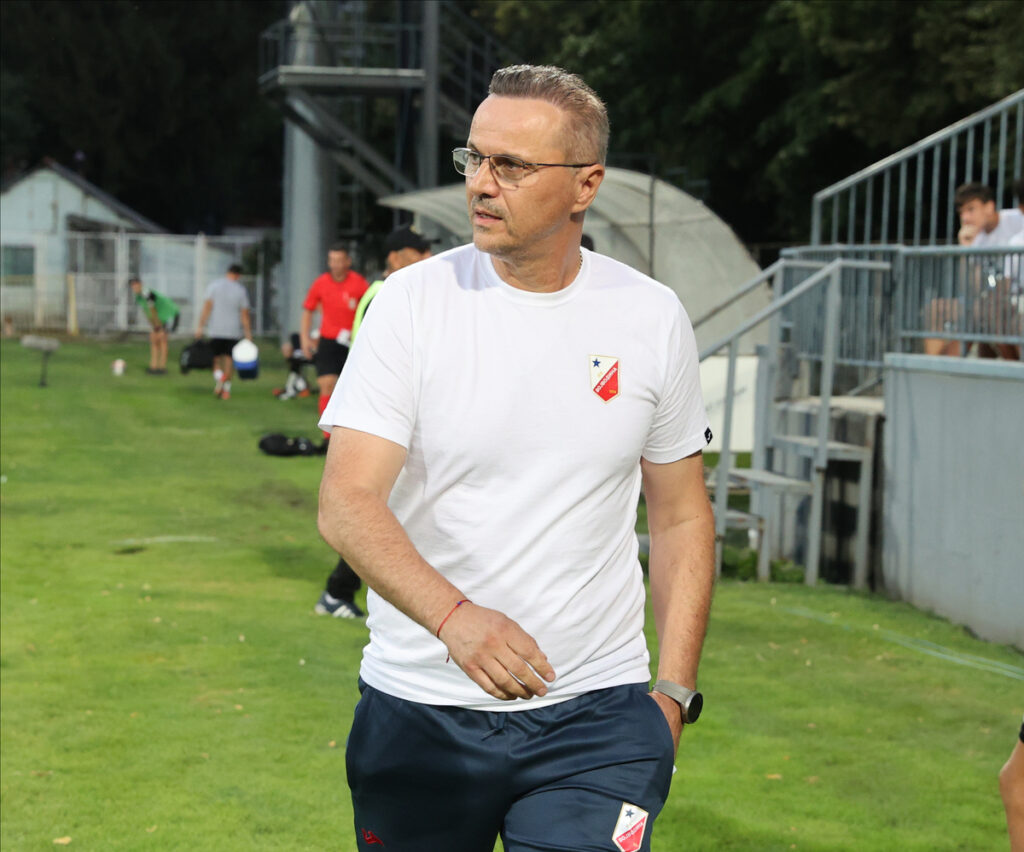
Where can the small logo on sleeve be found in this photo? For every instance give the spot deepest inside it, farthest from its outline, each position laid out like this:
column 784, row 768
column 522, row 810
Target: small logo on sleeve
column 604, row 376
column 371, row 839
column 628, row 835
column 707, row 435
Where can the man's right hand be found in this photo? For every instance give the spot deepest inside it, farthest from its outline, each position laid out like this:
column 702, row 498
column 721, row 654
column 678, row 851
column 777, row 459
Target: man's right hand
column 496, row 653
column 307, row 348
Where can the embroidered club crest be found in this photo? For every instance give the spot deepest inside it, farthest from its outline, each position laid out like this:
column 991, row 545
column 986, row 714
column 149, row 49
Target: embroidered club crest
column 628, row 834
column 604, row 376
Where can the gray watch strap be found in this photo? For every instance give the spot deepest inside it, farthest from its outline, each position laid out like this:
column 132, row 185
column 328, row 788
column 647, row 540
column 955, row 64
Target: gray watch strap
column 677, row 692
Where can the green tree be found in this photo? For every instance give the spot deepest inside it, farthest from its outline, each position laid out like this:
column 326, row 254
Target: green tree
column 160, row 97
column 769, row 101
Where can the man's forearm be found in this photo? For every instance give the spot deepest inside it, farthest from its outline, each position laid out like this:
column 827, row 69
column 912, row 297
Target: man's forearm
column 204, row 316
column 682, row 576
column 360, row 526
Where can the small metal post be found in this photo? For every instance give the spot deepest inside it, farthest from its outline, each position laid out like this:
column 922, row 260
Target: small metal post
column 42, row 377
column 832, row 300
column 725, row 458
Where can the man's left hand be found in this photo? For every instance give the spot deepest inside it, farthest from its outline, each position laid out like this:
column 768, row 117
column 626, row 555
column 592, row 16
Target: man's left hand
column 672, row 715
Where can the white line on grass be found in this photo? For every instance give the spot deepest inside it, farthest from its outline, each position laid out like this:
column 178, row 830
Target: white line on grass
column 166, row 539
column 923, row 646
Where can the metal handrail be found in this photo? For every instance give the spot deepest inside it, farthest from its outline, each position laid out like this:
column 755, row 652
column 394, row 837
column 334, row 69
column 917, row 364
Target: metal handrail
column 829, row 273
column 921, row 145
column 917, row 184
column 752, row 285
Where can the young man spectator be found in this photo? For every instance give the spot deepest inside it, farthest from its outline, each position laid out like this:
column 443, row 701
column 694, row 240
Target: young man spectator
column 993, row 228
column 162, row 315
column 404, row 247
column 336, row 293
column 982, row 225
column 1014, row 270
column 483, row 473
column 226, row 310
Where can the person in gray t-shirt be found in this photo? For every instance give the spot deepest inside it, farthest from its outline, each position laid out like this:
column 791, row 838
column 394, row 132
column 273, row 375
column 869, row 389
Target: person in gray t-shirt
column 225, row 315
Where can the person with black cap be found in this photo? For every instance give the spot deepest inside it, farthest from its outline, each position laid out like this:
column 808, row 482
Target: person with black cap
column 403, row 247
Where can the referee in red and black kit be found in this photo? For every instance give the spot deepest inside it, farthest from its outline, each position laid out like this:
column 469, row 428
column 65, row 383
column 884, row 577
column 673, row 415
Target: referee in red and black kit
column 336, row 293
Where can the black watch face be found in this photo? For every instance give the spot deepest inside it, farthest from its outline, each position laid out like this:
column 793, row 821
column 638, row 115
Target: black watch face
column 693, row 708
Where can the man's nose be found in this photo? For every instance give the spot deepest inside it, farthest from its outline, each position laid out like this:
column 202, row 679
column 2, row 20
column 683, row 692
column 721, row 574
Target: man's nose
column 483, row 181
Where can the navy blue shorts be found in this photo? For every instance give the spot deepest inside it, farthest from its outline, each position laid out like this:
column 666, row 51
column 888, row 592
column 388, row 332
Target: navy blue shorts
column 591, row 773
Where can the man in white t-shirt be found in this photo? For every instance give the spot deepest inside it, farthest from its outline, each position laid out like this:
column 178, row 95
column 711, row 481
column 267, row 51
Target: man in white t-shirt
column 994, row 310
column 987, row 301
column 499, row 410
column 1013, row 271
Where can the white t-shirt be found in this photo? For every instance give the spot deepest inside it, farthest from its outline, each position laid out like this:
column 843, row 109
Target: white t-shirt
column 1011, row 221
column 1014, row 266
column 524, row 416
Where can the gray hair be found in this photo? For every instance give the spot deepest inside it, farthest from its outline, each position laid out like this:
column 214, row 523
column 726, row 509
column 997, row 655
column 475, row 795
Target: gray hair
column 588, row 131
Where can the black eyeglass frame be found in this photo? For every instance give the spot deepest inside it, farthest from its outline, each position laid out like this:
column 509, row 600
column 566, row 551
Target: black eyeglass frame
column 469, row 152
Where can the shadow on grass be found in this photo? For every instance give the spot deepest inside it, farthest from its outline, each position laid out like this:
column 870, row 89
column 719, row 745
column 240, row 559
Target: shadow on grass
column 289, row 563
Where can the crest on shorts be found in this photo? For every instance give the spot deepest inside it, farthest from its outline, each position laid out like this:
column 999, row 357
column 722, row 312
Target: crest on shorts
column 604, row 376
column 628, row 835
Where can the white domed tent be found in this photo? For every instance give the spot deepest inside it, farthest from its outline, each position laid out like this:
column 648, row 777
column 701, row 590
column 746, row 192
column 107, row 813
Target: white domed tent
column 695, row 253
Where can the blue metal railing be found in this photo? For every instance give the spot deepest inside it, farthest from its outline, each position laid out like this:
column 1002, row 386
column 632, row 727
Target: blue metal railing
column 907, row 198
column 927, row 293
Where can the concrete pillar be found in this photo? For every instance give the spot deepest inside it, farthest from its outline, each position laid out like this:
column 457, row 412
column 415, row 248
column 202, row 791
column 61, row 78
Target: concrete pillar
column 308, row 226
column 199, row 279
column 309, row 211
column 430, row 114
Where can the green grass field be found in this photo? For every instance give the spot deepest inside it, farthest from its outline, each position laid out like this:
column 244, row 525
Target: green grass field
column 166, row 686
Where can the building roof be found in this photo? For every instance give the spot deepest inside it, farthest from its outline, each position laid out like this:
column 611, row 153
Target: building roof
column 140, row 222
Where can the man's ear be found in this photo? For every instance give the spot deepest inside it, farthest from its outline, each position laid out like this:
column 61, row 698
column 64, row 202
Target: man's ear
column 588, row 181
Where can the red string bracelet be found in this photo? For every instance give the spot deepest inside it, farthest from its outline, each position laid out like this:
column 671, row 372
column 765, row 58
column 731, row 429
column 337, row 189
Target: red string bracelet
column 443, row 620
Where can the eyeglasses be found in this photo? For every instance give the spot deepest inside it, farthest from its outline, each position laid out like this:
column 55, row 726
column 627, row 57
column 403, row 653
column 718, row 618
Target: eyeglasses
column 505, row 168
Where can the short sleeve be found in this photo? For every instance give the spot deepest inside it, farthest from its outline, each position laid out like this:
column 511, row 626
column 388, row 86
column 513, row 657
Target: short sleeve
column 312, row 298
column 376, row 390
column 680, row 425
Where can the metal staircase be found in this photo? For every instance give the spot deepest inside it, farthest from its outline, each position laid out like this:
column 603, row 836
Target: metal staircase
column 838, row 309
column 768, row 485
column 326, row 63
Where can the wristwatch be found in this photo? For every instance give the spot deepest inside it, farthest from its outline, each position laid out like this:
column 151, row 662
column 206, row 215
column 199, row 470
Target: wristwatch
column 689, row 700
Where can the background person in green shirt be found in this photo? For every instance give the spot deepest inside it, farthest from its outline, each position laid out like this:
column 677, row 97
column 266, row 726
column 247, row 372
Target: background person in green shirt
column 163, row 315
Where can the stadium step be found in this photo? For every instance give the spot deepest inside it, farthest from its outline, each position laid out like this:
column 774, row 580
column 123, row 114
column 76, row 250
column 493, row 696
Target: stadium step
column 767, row 486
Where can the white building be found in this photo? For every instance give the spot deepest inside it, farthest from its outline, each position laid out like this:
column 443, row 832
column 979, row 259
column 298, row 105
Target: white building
column 67, row 249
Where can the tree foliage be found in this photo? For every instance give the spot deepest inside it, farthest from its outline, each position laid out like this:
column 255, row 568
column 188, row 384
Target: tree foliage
column 771, row 100
column 758, row 103
column 160, row 97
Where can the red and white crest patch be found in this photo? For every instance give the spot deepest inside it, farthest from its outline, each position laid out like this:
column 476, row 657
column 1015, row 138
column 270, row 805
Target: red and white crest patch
column 604, row 376
column 628, row 834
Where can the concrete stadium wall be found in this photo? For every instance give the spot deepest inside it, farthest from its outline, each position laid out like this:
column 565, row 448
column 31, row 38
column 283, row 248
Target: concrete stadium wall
column 953, row 530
